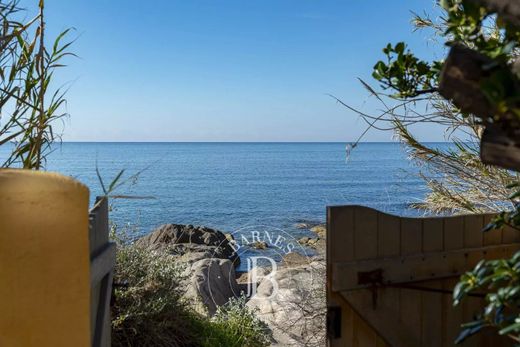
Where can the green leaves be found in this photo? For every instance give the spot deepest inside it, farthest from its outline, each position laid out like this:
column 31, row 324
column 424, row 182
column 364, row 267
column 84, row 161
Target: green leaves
column 405, row 73
column 470, row 329
column 500, row 280
column 508, row 218
column 469, row 24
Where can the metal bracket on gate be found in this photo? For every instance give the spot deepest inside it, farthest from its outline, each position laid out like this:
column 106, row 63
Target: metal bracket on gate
column 364, row 273
column 374, row 279
column 370, row 277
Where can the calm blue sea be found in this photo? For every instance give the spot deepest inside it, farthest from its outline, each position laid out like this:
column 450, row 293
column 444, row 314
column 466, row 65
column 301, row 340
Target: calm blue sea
column 229, row 186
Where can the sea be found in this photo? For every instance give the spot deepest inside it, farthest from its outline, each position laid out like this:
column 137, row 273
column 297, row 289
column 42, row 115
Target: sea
column 235, row 186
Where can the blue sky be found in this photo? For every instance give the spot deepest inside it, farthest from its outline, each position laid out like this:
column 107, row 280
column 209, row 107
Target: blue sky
column 247, row 70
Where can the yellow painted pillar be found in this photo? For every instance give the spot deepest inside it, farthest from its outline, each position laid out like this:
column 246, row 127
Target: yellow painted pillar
column 44, row 260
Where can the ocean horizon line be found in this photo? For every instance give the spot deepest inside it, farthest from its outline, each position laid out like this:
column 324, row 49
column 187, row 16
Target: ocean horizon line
column 251, row 142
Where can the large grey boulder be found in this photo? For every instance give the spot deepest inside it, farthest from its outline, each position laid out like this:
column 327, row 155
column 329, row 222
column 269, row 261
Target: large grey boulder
column 207, row 259
column 213, row 282
column 197, row 241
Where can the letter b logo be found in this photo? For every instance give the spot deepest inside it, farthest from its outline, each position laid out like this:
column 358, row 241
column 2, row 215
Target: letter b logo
column 253, row 277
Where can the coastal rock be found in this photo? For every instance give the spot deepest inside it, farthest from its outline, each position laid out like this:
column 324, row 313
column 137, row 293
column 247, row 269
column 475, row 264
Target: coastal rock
column 207, row 259
column 317, row 243
column 321, row 245
column 189, row 253
column 259, row 245
column 320, row 230
column 302, row 226
column 255, row 273
column 308, row 241
column 305, row 224
column 304, row 240
column 293, row 305
column 294, row 259
column 213, row 282
column 188, row 239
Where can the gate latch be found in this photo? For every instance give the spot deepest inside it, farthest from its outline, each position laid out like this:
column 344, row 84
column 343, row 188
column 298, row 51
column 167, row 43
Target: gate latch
column 374, row 278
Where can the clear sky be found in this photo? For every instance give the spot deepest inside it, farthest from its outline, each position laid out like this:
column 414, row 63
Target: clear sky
column 220, row 70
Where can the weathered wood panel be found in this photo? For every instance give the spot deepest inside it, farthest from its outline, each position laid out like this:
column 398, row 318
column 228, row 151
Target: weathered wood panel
column 389, row 235
column 365, row 233
column 433, row 239
column 102, row 261
column 427, row 253
column 411, row 236
column 493, row 237
column 343, row 220
column 431, row 316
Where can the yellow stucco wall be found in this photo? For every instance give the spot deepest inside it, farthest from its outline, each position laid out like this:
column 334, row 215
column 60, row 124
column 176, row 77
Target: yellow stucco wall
column 44, row 260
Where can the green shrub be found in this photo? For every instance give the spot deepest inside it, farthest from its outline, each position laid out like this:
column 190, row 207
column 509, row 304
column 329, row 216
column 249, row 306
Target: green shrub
column 500, row 280
column 236, row 325
column 150, row 310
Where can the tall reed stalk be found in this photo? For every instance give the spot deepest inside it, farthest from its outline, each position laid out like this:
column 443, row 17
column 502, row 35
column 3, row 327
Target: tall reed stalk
column 29, row 103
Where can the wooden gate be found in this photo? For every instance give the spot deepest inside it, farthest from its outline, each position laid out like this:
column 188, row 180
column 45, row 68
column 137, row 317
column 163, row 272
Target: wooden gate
column 389, row 278
column 102, row 261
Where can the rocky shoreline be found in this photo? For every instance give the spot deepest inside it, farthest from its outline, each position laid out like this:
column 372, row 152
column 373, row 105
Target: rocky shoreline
column 318, row 242
column 291, row 300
